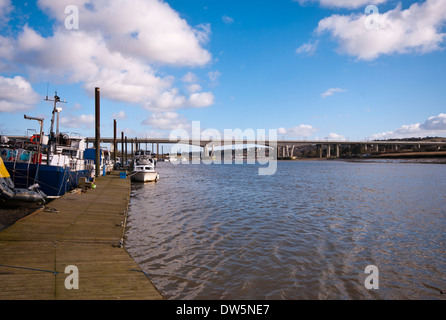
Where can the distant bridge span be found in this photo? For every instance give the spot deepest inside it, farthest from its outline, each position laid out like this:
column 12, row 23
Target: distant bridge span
column 284, row 148
column 279, row 143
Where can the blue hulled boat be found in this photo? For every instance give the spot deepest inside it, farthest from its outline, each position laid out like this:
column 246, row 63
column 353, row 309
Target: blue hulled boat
column 55, row 162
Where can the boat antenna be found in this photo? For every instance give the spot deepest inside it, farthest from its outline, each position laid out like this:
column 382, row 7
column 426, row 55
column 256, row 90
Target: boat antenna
column 55, row 110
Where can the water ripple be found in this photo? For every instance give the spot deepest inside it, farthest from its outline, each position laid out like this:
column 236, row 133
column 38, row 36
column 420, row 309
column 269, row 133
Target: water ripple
column 308, row 232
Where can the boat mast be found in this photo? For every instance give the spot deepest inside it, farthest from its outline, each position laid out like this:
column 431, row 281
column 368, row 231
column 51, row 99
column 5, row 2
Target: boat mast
column 53, row 137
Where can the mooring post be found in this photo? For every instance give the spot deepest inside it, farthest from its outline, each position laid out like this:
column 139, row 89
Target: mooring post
column 98, row 132
column 125, row 150
column 114, row 142
column 122, row 149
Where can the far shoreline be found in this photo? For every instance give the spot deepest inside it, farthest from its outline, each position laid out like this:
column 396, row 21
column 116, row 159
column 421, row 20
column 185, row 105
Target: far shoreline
column 438, row 157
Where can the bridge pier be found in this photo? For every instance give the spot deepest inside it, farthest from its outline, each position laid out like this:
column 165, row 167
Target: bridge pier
column 319, row 150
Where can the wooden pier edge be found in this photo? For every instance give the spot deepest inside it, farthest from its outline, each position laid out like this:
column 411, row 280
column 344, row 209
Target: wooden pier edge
column 73, row 250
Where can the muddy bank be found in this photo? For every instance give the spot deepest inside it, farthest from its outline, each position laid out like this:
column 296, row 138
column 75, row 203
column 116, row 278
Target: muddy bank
column 400, row 160
column 10, row 213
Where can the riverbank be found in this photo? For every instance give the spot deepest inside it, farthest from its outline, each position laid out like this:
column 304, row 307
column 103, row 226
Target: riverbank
column 438, row 157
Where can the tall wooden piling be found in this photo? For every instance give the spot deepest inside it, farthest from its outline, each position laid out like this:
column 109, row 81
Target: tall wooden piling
column 122, row 149
column 114, row 142
column 125, row 150
column 98, row 132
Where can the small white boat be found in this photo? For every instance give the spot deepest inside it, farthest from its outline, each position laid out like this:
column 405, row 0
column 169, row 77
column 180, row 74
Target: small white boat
column 144, row 170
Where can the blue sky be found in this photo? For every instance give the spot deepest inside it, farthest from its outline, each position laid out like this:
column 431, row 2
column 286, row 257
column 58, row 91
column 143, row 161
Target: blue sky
column 313, row 69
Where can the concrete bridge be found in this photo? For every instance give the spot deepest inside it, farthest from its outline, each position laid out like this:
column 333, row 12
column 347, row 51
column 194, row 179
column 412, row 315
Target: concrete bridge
column 284, row 148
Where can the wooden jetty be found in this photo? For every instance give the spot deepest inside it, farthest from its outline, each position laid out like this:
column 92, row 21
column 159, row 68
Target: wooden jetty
column 82, row 230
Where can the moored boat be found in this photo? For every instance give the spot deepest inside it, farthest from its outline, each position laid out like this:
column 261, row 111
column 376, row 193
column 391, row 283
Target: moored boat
column 8, row 191
column 54, row 162
column 144, row 168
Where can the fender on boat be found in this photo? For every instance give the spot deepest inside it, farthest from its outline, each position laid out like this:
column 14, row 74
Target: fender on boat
column 8, row 192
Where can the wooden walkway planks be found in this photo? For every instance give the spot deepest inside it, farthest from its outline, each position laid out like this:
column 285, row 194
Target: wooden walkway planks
column 83, row 230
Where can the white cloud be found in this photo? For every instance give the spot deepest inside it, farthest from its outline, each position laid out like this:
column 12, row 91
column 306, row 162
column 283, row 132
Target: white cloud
column 336, row 136
column 121, row 115
column 193, row 88
column 307, row 48
column 144, row 29
column 332, row 91
column 433, row 126
column 114, row 49
column 201, row 99
column 302, row 130
column 214, row 75
column 168, row 100
column 397, row 31
column 227, row 19
column 16, row 95
column 85, row 121
column 435, row 123
column 167, row 121
column 190, row 77
column 5, row 9
column 172, row 100
column 343, row 3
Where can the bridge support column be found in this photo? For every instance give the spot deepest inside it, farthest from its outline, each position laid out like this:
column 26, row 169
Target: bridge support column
column 337, row 151
column 328, row 151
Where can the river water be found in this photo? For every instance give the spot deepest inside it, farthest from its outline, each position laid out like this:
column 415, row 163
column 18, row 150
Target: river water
column 306, row 232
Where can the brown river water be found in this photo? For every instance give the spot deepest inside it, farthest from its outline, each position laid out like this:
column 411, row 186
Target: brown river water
column 306, row 232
